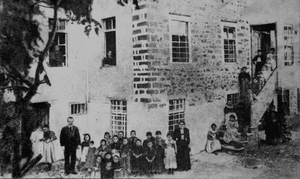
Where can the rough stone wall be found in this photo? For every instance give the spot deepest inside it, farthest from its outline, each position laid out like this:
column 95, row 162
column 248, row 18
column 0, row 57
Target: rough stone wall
column 207, row 74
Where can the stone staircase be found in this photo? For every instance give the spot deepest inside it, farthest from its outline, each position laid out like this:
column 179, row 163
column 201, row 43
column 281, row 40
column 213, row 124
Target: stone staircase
column 264, row 99
column 259, row 107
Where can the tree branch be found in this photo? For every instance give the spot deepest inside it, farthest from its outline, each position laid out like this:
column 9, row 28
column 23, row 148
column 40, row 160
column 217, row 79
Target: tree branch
column 15, row 74
column 43, row 55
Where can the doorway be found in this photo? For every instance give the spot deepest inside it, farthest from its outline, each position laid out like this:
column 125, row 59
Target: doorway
column 263, row 37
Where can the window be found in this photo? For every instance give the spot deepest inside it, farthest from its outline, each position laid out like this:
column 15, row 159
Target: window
column 58, row 51
column 288, row 45
column 286, row 101
column 233, row 99
column 229, row 40
column 176, row 112
column 118, row 116
column 179, row 30
column 78, row 108
column 110, row 40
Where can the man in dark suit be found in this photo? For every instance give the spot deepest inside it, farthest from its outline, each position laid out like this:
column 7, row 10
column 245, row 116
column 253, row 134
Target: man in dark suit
column 70, row 139
column 182, row 138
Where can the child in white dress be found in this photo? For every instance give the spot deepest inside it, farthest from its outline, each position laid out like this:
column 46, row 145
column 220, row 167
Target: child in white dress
column 170, row 154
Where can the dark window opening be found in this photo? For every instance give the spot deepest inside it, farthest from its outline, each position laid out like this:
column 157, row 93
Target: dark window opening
column 110, row 42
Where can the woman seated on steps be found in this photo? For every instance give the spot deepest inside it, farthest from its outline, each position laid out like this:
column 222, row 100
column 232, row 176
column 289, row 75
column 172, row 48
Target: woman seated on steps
column 231, row 135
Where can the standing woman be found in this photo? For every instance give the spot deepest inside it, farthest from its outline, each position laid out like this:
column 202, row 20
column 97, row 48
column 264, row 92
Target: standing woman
column 36, row 138
column 244, row 82
column 182, row 138
column 49, row 153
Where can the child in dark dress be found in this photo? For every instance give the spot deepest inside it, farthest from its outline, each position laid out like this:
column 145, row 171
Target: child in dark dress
column 132, row 139
column 107, row 171
column 103, row 148
column 125, row 156
column 97, row 168
column 115, row 146
column 137, row 158
column 118, row 170
column 150, row 155
column 90, row 158
column 149, row 138
column 160, row 151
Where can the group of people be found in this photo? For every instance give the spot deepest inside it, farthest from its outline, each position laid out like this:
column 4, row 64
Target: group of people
column 276, row 129
column 116, row 156
column 264, row 66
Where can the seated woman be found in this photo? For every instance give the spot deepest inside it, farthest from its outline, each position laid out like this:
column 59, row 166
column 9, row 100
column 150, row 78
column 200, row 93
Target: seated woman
column 212, row 144
column 232, row 136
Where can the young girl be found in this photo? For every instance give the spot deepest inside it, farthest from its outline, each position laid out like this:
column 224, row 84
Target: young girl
column 160, row 150
column 84, row 148
column 170, row 154
column 97, row 167
column 103, row 148
column 137, row 158
column 115, row 146
column 106, row 166
column 212, row 144
column 150, row 155
column 118, row 170
column 90, row 157
column 108, row 139
column 125, row 156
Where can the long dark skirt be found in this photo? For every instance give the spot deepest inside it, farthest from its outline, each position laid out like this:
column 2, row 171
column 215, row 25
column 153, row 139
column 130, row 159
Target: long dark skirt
column 183, row 158
column 136, row 164
column 159, row 160
column 149, row 167
column 107, row 174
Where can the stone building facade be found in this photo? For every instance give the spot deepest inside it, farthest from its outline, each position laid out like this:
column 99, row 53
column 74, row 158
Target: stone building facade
column 175, row 60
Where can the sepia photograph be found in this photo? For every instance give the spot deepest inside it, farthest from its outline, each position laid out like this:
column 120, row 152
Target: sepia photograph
column 147, row 89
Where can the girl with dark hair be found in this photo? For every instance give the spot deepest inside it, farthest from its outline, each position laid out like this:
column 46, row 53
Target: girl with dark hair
column 90, row 157
column 103, row 148
column 170, row 154
column 149, row 138
column 150, row 155
column 212, row 144
column 108, row 139
column 49, row 153
column 137, row 158
column 107, row 170
column 160, row 150
column 84, row 148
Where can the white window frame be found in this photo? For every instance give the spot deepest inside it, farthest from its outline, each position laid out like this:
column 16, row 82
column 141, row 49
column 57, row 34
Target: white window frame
column 178, row 109
column 233, row 25
column 184, row 18
column 288, row 44
column 77, row 108
column 61, row 30
column 118, row 110
column 113, row 29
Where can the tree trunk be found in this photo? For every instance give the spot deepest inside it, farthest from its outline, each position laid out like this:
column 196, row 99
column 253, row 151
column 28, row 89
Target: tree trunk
column 16, row 159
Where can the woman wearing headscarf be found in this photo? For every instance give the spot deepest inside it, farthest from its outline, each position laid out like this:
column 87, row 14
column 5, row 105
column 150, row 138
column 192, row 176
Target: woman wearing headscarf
column 49, row 152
